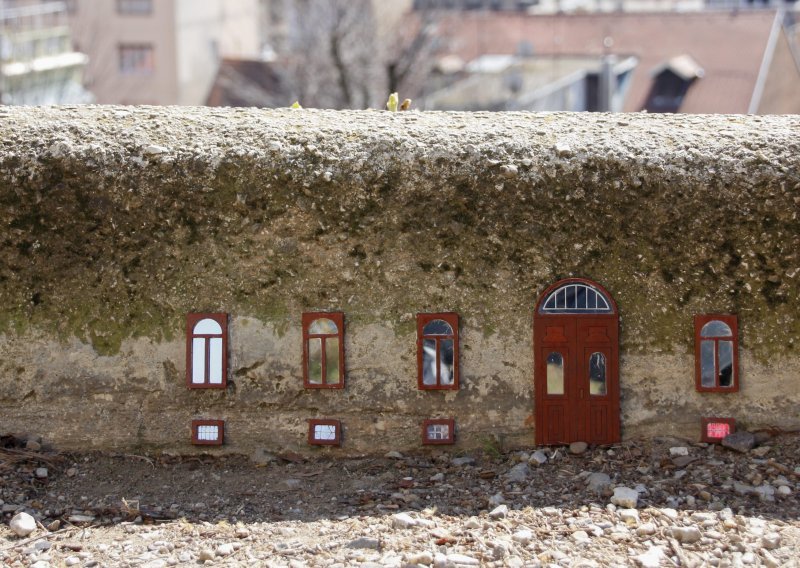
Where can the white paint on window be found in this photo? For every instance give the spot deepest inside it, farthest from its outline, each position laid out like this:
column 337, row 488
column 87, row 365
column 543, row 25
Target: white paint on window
column 198, row 360
column 208, row 433
column 324, row 432
column 438, row 431
column 207, row 327
column 215, row 361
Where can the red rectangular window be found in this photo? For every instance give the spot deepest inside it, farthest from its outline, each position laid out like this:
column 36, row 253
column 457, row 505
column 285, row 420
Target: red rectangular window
column 323, row 350
column 206, row 351
column 716, row 353
column 437, row 351
column 208, row 432
column 715, row 429
column 324, row 432
column 439, row 431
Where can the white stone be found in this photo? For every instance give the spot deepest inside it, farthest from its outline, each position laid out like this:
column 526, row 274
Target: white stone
column 679, row 451
column 499, row 512
column 461, row 560
column 771, row 541
column 646, row 529
column 41, row 472
column 423, row 558
column 22, row 524
column 523, row 537
column 538, row 458
column 625, row 497
column 686, row 535
column 598, row 482
column 629, row 516
column 393, row 455
column 784, row 491
column 403, row 521
column 72, row 560
column 652, row 558
column 225, row 549
column 496, row 499
column 580, row 536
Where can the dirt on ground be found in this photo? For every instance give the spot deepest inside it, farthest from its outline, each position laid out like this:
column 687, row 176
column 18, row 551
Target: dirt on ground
column 661, row 502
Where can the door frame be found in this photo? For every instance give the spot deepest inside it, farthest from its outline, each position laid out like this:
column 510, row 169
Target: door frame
column 578, row 406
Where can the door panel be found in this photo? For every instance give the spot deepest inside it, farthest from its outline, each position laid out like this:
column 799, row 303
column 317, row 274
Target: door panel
column 588, row 409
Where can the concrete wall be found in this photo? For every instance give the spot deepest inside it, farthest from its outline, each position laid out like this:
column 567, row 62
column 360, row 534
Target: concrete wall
column 119, row 221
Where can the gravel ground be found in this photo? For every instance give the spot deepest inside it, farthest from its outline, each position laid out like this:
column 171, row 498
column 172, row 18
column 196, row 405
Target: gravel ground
column 644, row 503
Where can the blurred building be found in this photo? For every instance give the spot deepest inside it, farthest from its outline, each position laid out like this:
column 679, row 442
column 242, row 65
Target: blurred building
column 745, row 61
column 161, row 52
column 38, row 65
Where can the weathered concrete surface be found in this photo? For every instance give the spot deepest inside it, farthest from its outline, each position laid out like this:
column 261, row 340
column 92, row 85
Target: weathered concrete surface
column 119, row 221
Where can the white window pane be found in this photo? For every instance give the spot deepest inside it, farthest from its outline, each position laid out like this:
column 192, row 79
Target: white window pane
column 208, row 433
column 198, row 360
column 324, row 432
column 215, row 361
column 207, row 327
column 429, row 362
column 438, row 431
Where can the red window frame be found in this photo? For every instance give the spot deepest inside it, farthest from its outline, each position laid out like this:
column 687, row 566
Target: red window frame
column 191, row 321
column 449, row 422
column 451, row 318
column 337, row 441
column 705, row 422
column 338, row 319
column 196, row 437
column 732, row 322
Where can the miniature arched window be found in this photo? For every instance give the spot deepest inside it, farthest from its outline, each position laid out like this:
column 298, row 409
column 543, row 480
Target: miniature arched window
column 323, row 350
column 576, row 298
column 437, row 351
column 206, row 350
column 716, row 353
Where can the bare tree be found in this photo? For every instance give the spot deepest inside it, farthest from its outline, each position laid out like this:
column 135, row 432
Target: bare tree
column 333, row 59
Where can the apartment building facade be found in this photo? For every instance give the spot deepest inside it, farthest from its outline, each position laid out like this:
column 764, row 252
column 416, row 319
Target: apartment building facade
column 163, row 52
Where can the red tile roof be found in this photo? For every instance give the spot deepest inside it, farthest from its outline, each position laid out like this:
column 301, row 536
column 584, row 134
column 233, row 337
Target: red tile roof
column 729, row 46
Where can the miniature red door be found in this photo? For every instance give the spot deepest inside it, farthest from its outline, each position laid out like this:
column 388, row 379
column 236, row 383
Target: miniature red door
column 576, row 355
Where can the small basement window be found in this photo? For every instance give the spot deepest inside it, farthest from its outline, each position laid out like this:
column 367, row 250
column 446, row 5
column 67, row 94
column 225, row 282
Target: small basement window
column 206, row 351
column 323, row 350
column 437, row 351
column 208, row 432
column 438, row 431
column 324, row 432
column 715, row 429
column 716, row 353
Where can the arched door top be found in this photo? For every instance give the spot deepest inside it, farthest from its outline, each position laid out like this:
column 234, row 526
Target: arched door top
column 576, row 296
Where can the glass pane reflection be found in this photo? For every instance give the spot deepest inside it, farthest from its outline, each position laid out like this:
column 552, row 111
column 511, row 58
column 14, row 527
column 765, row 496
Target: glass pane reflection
column 555, row 373
column 716, row 328
column 597, row 374
column 429, row 362
column 315, row 361
column 446, row 361
column 437, row 327
column 707, row 363
column 332, row 360
column 323, row 325
column 726, row 363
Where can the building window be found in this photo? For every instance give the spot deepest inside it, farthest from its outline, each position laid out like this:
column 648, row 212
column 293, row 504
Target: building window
column 324, row 432
column 135, row 7
column 437, row 351
column 323, row 350
column 716, row 353
column 439, row 431
column 136, row 59
column 715, row 429
column 206, row 350
column 208, row 432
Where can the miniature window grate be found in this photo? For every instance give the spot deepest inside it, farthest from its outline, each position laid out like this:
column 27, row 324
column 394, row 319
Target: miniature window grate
column 715, row 429
column 324, row 432
column 438, row 431
column 576, row 298
column 208, row 432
